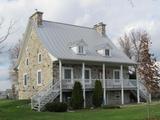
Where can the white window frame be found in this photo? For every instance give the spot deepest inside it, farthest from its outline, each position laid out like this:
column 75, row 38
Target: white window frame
column 25, row 74
column 89, row 69
column 68, row 68
column 38, row 57
column 115, row 80
column 39, row 84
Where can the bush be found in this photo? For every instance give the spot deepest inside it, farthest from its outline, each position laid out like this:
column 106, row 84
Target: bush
column 111, row 107
column 97, row 94
column 56, row 107
column 77, row 96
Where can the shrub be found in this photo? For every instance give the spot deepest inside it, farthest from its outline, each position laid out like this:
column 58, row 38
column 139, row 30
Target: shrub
column 97, row 94
column 111, row 107
column 56, row 107
column 77, row 96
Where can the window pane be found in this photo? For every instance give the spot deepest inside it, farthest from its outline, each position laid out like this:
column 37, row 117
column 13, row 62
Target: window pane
column 25, row 79
column 87, row 74
column 39, row 77
column 67, row 74
column 80, row 49
column 39, row 57
column 117, row 75
column 27, row 61
column 107, row 52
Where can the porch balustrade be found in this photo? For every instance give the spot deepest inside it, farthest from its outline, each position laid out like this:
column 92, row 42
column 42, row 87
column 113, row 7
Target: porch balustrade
column 109, row 83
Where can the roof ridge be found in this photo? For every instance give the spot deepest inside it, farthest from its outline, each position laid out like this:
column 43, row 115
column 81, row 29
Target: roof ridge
column 69, row 24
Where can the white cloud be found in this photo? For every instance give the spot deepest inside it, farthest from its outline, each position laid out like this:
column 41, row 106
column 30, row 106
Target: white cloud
column 87, row 3
column 84, row 20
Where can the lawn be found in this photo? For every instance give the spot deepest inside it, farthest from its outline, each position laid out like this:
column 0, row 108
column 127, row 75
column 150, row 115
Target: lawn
column 20, row 110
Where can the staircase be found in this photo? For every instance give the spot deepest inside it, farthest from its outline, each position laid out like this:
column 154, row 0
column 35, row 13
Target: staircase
column 45, row 95
column 142, row 91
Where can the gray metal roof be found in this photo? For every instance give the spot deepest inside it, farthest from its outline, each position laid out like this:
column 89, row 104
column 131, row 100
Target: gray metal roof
column 56, row 37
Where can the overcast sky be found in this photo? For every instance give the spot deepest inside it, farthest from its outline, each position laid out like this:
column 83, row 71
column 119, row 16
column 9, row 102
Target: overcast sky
column 119, row 15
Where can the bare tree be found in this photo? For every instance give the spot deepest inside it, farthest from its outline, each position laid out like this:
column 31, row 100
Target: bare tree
column 126, row 45
column 14, row 53
column 4, row 36
column 130, row 43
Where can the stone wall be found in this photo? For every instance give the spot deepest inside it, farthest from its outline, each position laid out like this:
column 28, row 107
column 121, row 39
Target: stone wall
column 31, row 50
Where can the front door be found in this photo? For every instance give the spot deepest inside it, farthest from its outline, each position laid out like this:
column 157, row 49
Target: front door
column 116, row 77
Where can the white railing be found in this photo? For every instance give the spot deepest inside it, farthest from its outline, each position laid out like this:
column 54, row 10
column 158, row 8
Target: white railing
column 110, row 83
column 143, row 90
column 45, row 95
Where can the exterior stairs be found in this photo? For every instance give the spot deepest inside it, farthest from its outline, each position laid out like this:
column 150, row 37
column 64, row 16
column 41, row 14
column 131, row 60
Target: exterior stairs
column 45, row 95
column 142, row 92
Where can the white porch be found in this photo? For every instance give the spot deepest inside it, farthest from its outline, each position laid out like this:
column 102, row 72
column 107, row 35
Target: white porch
column 117, row 82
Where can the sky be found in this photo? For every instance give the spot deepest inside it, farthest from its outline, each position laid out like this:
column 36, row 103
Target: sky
column 120, row 16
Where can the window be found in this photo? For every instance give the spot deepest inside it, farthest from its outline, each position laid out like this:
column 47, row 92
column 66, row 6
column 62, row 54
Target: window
column 39, row 77
column 27, row 61
column 39, row 58
column 117, row 74
column 25, row 78
column 68, row 74
column 115, row 95
column 87, row 73
column 107, row 52
column 104, row 52
column 80, row 50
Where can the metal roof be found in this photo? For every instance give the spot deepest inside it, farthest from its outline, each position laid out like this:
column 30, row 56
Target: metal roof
column 56, row 38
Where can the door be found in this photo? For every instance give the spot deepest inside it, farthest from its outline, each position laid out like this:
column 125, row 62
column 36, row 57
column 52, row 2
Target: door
column 116, row 77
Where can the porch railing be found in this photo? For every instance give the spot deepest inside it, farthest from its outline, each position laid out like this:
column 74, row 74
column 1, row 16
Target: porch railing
column 109, row 83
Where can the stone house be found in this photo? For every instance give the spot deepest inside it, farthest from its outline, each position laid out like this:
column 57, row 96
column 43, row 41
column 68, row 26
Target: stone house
column 54, row 55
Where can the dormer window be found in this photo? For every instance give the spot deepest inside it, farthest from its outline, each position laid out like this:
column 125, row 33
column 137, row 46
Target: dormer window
column 78, row 47
column 104, row 49
column 104, row 52
column 107, row 52
column 80, row 50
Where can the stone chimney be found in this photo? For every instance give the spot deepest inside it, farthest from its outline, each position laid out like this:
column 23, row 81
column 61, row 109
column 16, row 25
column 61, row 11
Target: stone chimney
column 37, row 17
column 100, row 28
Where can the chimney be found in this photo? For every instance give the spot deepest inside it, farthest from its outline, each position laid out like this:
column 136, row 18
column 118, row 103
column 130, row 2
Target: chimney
column 37, row 17
column 100, row 28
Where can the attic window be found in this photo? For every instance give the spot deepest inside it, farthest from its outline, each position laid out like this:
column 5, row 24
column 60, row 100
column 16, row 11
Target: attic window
column 80, row 49
column 104, row 52
column 107, row 52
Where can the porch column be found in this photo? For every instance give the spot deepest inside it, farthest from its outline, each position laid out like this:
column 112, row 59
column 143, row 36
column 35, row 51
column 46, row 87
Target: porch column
column 137, row 78
column 83, row 82
column 104, row 85
column 60, row 79
column 122, row 89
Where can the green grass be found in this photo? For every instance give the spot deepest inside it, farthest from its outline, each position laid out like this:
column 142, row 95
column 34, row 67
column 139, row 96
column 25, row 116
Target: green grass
column 20, row 110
